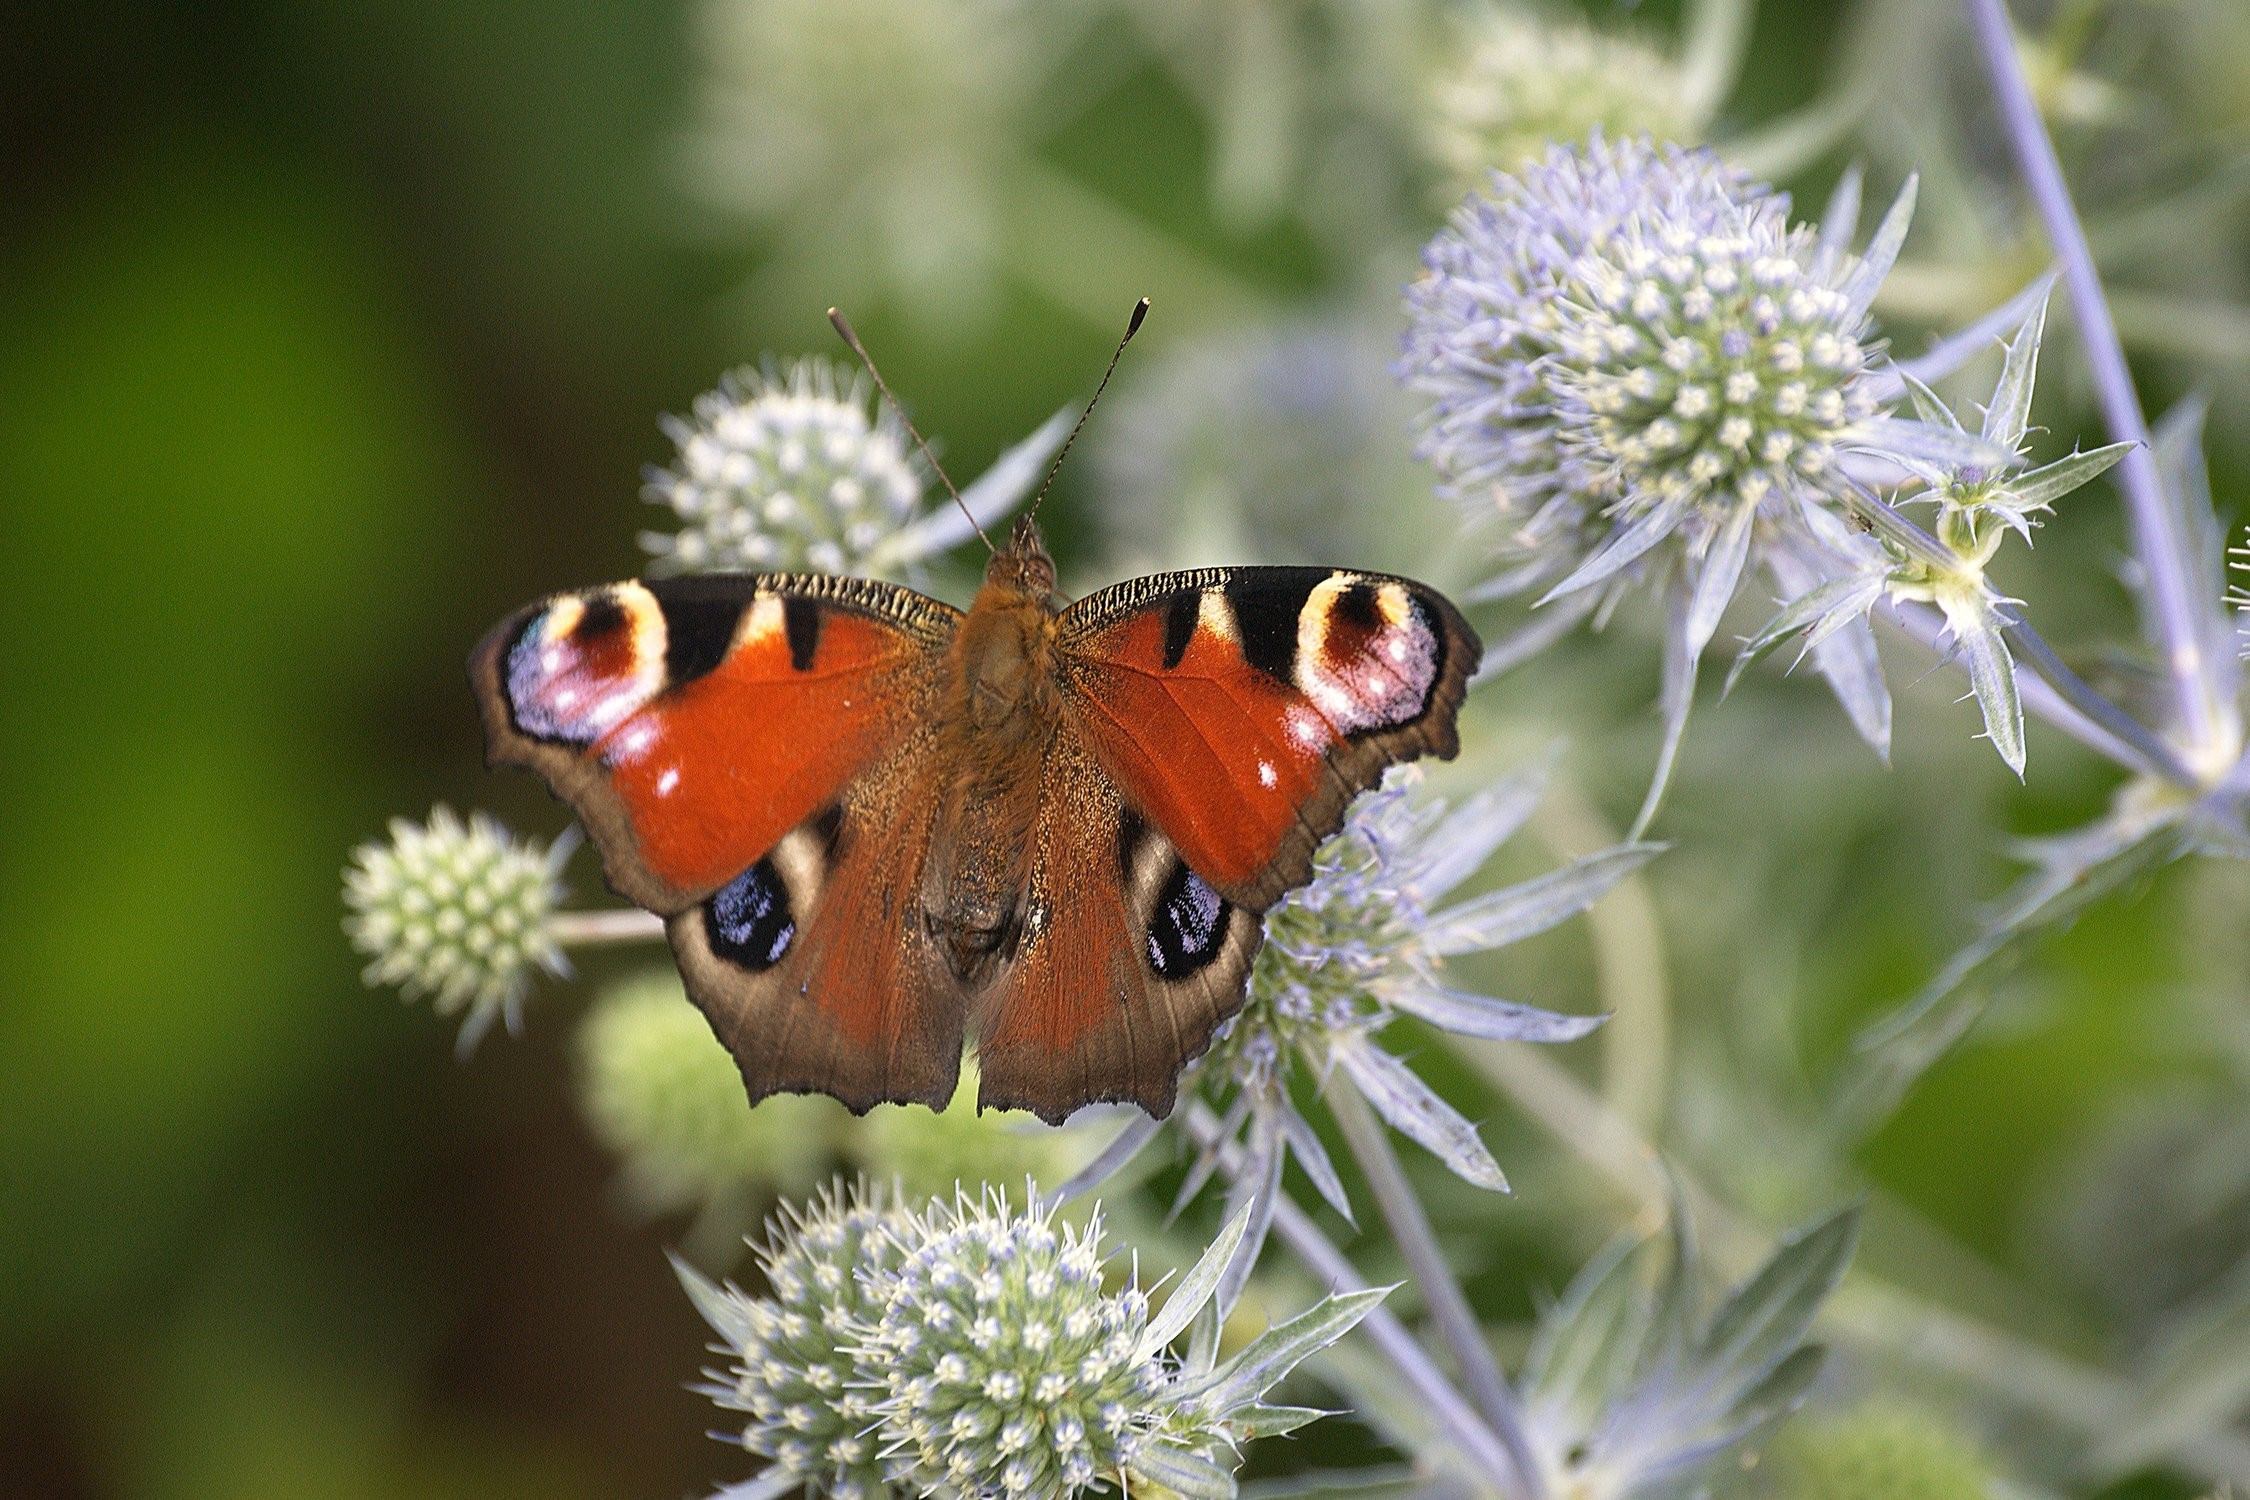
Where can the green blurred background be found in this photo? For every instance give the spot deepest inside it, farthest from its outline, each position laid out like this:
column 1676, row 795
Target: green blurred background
column 328, row 333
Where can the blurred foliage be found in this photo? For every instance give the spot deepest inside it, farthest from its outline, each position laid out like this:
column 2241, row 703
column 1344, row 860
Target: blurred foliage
column 335, row 331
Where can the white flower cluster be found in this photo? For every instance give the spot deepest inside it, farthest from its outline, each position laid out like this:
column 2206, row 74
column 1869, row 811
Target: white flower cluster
column 971, row 1350
column 788, row 468
column 457, row 911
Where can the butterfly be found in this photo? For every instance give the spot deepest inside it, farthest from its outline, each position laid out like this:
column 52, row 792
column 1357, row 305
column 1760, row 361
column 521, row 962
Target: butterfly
column 878, row 827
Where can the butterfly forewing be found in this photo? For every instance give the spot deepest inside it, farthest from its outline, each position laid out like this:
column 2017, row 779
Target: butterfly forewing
column 1240, row 709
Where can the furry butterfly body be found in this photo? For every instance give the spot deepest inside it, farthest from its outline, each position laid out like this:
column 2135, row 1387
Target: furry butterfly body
column 879, row 827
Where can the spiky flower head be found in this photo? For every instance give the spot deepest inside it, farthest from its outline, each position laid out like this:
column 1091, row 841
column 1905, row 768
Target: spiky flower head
column 659, row 1091
column 1010, row 1368
column 1511, row 84
column 458, row 911
column 1978, row 505
column 791, row 467
column 790, row 1370
column 977, row 1350
column 1624, row 341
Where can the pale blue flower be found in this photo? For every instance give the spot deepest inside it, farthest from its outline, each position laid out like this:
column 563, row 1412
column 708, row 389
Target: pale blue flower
column 1641, row 373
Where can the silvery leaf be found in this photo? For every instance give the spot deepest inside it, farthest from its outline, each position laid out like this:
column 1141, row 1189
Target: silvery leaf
column 1312, row 1156
column 1513, row 913
column 1256, row 1191
column 1190, row 1475
column 1273, row 1354
column 2050, row 482
column 2008, row 417
column 1479, row 826
column 1465, row 1014
column 1866, row 276
column 1418, row 1113
column 1195, row 1288
column 1992, row 678
column 1111, row 1159
column 1624, row 546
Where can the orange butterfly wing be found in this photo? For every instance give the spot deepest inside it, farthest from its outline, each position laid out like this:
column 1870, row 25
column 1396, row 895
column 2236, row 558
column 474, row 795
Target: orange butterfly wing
column 1216, row 724
column 748, row 752
column 1241, row 709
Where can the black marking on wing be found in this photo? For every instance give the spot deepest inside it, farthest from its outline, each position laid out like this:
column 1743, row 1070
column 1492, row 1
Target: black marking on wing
column 800, row 618
column 698, row 632
column 1180, row 613
column 1355, row 606
column 748, row 921
column 1267, row 603
column 600, row 613
column 1189, row 929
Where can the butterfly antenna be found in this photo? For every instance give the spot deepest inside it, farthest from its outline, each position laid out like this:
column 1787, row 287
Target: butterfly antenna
column 851, row 339
column 1132, row 326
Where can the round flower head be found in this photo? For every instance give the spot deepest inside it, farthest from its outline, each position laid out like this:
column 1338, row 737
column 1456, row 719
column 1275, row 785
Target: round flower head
column 661, row 1092
column 457, row 911
column 789, row 468
column 791, row 1371
column 1009, row 1369
column 1617, row 328
column 1511, row 85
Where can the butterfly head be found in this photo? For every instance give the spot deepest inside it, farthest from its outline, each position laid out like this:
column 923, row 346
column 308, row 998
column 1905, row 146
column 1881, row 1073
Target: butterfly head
column 1023, row 566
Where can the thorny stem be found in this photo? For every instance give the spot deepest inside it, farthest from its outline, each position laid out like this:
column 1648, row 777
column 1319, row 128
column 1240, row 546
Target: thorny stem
column 591, row 929
column 2157, row 543
column 1448, row 1409
column 1441, row 1294
column 1871, row 1310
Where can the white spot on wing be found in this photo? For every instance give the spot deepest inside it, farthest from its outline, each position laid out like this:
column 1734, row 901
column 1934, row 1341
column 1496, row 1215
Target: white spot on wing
column 668, row 781
column 1266, row 777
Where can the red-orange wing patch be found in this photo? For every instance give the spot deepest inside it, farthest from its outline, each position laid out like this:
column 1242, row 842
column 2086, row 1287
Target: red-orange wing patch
column 692, row 722
column 1239, row 710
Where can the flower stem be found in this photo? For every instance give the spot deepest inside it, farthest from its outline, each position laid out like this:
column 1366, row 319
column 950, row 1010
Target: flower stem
column 1441, row 1294
column 593, row 929
column 2157, row 543
column 1448, row 1409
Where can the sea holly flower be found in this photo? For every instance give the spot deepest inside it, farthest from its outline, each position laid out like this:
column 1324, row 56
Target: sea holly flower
column 458, row 911
column 1511, row 84
column 1630, row 1394
column 973, row 1349
column 795, row 468
column 1641, row 373
column 808, row 1406
column 1365, row 943
column 1977, row 506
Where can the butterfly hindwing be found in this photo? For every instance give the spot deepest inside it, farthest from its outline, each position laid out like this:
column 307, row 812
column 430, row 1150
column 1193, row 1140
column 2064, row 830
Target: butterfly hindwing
column 1239, row 710
column 692, row 722
column 815, row 966
column 1126, row 964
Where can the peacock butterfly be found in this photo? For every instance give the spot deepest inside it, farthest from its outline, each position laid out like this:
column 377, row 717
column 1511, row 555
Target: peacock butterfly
column 877, row 826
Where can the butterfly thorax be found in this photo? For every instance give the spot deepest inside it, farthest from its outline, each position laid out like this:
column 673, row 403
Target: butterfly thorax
column 1003, row 705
